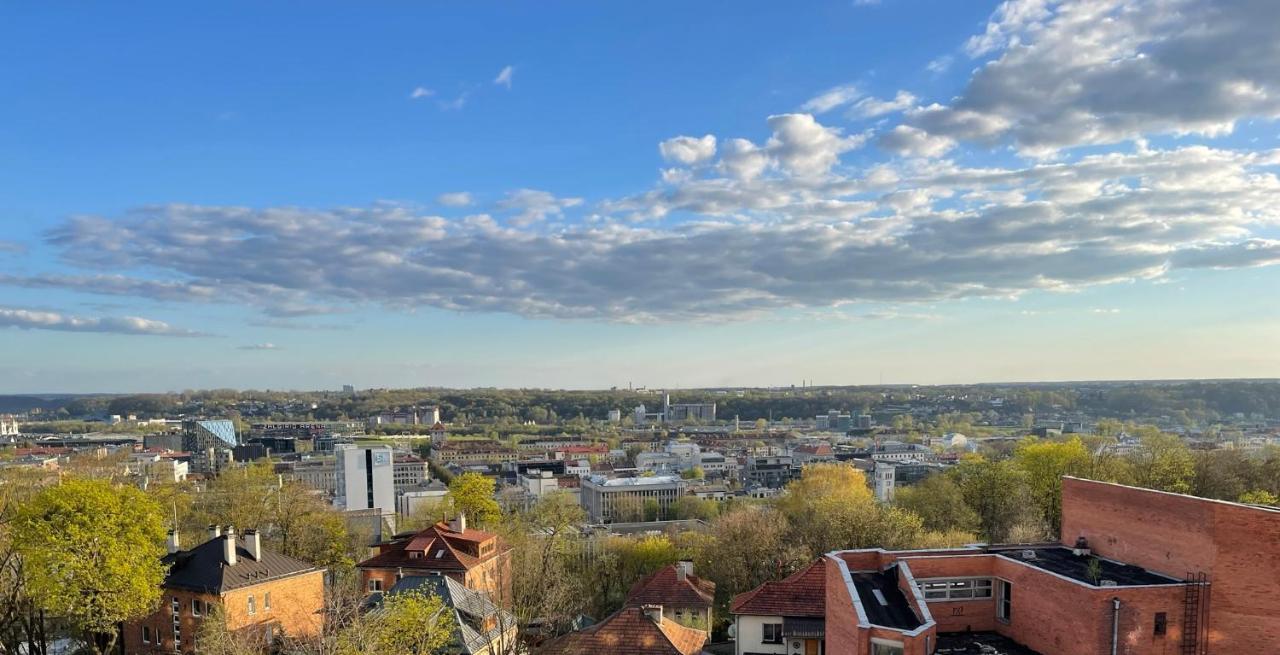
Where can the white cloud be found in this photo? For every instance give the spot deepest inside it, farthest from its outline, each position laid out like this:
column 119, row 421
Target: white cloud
column 504, row 76
column 454, row 199
column 688, row 150
column 532, row 206
column 30, row 319
column 940, row 65
column 806, row 148
column 455, row 104
column 260, row 346
column 914, row 142
column 872, row 107
column 421, row 92
column 831, row 98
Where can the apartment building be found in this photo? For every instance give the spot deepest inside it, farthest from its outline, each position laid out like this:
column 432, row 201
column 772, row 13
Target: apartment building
column 210, row 443
column 260, row 592
column 1136, row 572
column 607, row 500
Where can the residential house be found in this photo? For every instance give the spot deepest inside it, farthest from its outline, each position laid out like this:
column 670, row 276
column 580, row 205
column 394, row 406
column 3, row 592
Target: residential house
column 480, row 626
column 257, row 590
column 783, row 616
column 632, row 630
column 477, row 559
column 684, row 597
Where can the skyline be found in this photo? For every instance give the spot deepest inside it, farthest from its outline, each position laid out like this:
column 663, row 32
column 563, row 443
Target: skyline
column 416, row 195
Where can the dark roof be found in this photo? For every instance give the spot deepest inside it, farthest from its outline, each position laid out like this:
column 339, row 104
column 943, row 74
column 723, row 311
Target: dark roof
column 202, row 568
column 979, row 643
column 665, row 587
column 804, row 593
column 1064, row 562
column 889, row 608
column 629, row 632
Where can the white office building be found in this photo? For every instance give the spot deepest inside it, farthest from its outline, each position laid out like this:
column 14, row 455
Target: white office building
column 365, row 478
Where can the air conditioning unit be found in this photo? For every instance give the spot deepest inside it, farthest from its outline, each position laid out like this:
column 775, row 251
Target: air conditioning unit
column 1107, row 583
column 1028, row 554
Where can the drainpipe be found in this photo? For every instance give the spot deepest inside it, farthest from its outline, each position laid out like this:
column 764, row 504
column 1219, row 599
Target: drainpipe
column 1115, row 625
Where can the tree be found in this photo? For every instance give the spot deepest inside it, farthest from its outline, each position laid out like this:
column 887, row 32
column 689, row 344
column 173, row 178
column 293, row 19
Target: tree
column 215, row 638
column 1260, row 497
column 91, row 554
column 545, row 566
column 939, row 502
column 409, row 623
column 1044, row 463
column 745, row 547
column 831, row 507
column 1162, row 461
column 692, row 507
column 997, row 492
column 472, row 493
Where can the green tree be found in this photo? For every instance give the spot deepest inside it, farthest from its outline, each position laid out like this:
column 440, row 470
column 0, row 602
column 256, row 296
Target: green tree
column 939, row 502
column 410, row 623
column 1260, row 497
column 472, row 493
column 91, row 554
column 1162, row 461
column 1044, row 463
column 997, row 492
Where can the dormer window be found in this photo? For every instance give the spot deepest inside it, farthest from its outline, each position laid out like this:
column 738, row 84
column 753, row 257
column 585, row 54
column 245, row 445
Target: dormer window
column 415, row 554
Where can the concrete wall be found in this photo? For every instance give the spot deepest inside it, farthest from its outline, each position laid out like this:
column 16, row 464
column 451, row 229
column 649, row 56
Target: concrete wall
column 750, row 629
column 1236, row 545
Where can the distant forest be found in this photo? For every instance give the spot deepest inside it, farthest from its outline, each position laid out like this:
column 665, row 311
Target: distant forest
column 1190, row 402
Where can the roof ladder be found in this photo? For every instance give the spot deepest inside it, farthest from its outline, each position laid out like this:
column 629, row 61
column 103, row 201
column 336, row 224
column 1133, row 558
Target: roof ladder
column 1193, row 613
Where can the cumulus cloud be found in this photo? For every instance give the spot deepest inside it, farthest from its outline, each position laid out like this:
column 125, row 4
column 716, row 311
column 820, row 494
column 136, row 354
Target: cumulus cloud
column 806, row 148
column 831, row 98
column 260, row 346
column 688, row 150
column 872, row 107
column 531, row 205
column 454, row 199
column 504, row 76
column 776, row 241
column 31, row 319
column 914, row 142
column 1067, row 73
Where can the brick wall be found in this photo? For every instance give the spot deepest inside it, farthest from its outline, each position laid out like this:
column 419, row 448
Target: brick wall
column 1236, row 545
column 842, row 634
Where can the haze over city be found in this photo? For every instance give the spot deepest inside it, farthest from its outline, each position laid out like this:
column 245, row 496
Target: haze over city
column 719, row 194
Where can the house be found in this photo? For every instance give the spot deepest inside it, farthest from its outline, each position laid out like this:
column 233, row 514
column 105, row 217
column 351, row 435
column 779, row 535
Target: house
column 256, row 589
column 632, row 630
column 481, row 627
column 783, row 616
column 684, row 597
column 477, row 559
column 1136, row 572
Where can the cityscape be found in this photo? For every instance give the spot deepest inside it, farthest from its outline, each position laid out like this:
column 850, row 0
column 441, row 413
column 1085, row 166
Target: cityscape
column 847, row 327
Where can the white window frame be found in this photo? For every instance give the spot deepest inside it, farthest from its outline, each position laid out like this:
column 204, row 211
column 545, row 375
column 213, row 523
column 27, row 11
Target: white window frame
column 879, row 646
column 1003, row 615
column 253, row 606
column 146, row 634
column 375, row 584
column 266, row 601
column 941, row 590
column 195, row 607
column 764, row 633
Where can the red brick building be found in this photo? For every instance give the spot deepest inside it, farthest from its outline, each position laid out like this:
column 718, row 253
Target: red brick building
column 254, row 588
column 1136, row 572
column 477, row 559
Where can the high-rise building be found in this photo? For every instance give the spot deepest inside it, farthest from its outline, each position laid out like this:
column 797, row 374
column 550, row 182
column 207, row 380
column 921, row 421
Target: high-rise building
column 210, row 443
column 365, row 478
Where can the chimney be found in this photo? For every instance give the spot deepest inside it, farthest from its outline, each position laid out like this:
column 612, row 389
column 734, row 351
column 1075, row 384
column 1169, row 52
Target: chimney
column 654, row 612
column 229, row 546
column 253, row 542
column 459, row 524
column 173, row 542
column 215, row 531
column 684, row 569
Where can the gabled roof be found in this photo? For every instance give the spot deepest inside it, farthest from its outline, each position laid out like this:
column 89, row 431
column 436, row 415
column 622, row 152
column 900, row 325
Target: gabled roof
column 471, row 610
column 664, row 587
column 804, row 593
column 629, row 631
column 437, row 548
column 202, row 568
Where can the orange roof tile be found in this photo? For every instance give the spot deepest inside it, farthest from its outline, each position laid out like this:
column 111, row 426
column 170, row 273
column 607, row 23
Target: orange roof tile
column 802, row 594
column 664, row 587
column 629, row 631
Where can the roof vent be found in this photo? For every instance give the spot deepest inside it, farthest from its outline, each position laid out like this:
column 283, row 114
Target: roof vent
column 1028, row 554
column 1107, row 583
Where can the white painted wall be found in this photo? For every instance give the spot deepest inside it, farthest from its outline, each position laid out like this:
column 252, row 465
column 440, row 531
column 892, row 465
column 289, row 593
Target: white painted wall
column 751, row 630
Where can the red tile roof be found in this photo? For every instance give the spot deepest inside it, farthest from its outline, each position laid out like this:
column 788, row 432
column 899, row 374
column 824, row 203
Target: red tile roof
column 802, row 594
column 664, row 587
column 438, row 548
column 629, row 631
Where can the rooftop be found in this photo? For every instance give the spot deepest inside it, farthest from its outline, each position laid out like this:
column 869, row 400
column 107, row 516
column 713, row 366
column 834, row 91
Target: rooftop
column 203, row 567
column 883, row 602
column 630, row 631
column 667, row 586
column 633, row 482
column 979, row 643
column 1064, row 562
column 801, row 594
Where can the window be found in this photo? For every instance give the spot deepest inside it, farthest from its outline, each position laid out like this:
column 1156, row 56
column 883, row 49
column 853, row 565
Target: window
column 146, row 634
column 266, row 601
column 1162, row 623
column 955, row 589
column 885, row 648
column 375, row 584
column 772, row 633
column 253, row 609
column 195, row 607
column 1004, row 601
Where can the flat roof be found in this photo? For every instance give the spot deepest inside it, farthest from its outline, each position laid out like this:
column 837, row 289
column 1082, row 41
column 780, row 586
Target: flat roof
column 883, row 602
column 632, row 482
column 1063, row 561
column 979, row 643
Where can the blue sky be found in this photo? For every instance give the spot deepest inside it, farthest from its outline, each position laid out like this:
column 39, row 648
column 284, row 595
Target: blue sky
column 671, row 194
